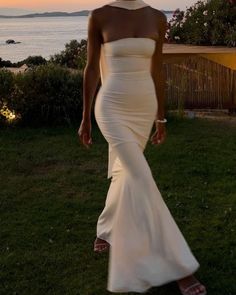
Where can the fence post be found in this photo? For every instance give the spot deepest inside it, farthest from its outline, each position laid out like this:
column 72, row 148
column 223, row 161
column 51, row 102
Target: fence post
column 233, row 90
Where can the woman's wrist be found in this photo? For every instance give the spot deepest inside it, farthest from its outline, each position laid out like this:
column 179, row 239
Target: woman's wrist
column 86, row 116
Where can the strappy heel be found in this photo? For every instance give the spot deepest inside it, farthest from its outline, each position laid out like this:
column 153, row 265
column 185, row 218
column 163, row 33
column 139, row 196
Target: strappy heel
column 189, row 289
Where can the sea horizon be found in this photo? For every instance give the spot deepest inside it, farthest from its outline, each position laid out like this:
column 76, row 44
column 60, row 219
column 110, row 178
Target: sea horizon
column 44, row 36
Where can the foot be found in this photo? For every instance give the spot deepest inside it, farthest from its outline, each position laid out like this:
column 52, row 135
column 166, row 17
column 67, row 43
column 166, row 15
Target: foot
column 191, row 286
column 100, row 245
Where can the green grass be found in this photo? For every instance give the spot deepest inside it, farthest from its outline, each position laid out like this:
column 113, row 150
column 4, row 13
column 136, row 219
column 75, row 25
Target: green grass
column 53, row 190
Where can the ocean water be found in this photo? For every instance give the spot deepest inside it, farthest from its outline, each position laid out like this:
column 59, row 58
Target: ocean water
column 43, row 36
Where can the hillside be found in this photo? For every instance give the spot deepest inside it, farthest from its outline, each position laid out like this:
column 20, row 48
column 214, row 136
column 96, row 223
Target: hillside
column 57, row 13
column 49, row 14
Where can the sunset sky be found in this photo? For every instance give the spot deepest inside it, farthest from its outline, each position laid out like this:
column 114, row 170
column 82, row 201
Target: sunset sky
column 76, row 5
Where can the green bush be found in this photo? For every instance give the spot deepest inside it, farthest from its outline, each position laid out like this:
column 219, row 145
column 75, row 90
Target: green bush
column 205, row 23
column 6, row 84
column 74, row 55
column 49, row 92
column 6, row 88
column 34, row 60
column 43, row 95
column 5, row 63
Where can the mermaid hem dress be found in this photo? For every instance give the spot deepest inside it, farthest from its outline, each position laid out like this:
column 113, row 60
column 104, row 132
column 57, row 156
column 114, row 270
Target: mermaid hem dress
column 147, row 247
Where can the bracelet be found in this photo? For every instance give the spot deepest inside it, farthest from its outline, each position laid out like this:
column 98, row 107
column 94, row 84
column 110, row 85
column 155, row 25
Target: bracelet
column 161, row 121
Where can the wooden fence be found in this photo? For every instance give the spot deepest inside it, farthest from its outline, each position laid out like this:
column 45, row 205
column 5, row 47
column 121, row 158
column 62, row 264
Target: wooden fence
column 197, row 82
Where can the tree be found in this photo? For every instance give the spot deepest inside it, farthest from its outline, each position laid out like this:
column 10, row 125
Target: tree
column 74, row 55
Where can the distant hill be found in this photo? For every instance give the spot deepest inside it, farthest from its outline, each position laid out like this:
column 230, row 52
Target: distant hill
column 48, row 14
column 57, row 13
column 5, row 11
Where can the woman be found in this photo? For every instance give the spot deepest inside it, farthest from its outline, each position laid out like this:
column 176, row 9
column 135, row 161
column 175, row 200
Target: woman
column 146, row 247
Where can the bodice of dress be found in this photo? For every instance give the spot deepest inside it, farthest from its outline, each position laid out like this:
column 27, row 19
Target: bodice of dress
column 125, row 72
column 126, row 56
column 120, row 55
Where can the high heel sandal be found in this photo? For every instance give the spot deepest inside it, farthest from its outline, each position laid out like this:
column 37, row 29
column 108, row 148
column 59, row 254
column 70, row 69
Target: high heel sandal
column 188, row 291
column 101, row 247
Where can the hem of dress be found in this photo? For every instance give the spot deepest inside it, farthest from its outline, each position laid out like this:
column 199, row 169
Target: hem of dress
column 143, row 290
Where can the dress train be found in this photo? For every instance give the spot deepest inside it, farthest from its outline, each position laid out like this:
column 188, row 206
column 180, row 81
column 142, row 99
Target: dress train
column 147, row 247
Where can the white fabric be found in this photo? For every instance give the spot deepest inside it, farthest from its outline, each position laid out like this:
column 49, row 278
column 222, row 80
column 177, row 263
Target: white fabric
column 147, row 247
column 128, row 4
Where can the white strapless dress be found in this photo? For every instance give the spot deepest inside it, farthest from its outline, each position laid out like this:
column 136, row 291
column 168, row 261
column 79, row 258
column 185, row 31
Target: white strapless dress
column 147, row 247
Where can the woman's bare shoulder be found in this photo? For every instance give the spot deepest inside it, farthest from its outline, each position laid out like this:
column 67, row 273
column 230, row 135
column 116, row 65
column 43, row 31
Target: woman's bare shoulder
column 160, row 15
column 99, row 13
column 102, row 12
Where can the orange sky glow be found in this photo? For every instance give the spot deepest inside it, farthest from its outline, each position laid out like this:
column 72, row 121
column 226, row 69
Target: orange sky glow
column 75, row 5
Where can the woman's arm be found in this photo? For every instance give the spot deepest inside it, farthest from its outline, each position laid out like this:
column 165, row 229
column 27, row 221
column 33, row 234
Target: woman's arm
column 91, row 77
column 157, row 70
column 91, row 72
column 158, row 75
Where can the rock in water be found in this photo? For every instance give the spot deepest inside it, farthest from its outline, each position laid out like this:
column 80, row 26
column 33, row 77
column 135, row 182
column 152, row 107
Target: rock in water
column 11, row 41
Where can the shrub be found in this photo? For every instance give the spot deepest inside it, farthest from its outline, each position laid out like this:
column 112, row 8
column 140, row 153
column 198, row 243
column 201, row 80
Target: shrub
column 44, row 95
column 6, row 84
column 35, row 60
column 5, row 63
column 205, row 23
column 74, row 55
column 6, row 88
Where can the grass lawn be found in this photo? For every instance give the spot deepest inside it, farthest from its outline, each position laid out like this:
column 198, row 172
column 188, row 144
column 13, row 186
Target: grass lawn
column 53, row 190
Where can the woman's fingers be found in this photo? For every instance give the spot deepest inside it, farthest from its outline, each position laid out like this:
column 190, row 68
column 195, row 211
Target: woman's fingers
column 85, row 138
column 158, row 138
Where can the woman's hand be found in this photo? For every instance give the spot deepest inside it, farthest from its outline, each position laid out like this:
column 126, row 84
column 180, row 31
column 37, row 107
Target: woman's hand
column 84, row 133
column 159, row 135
